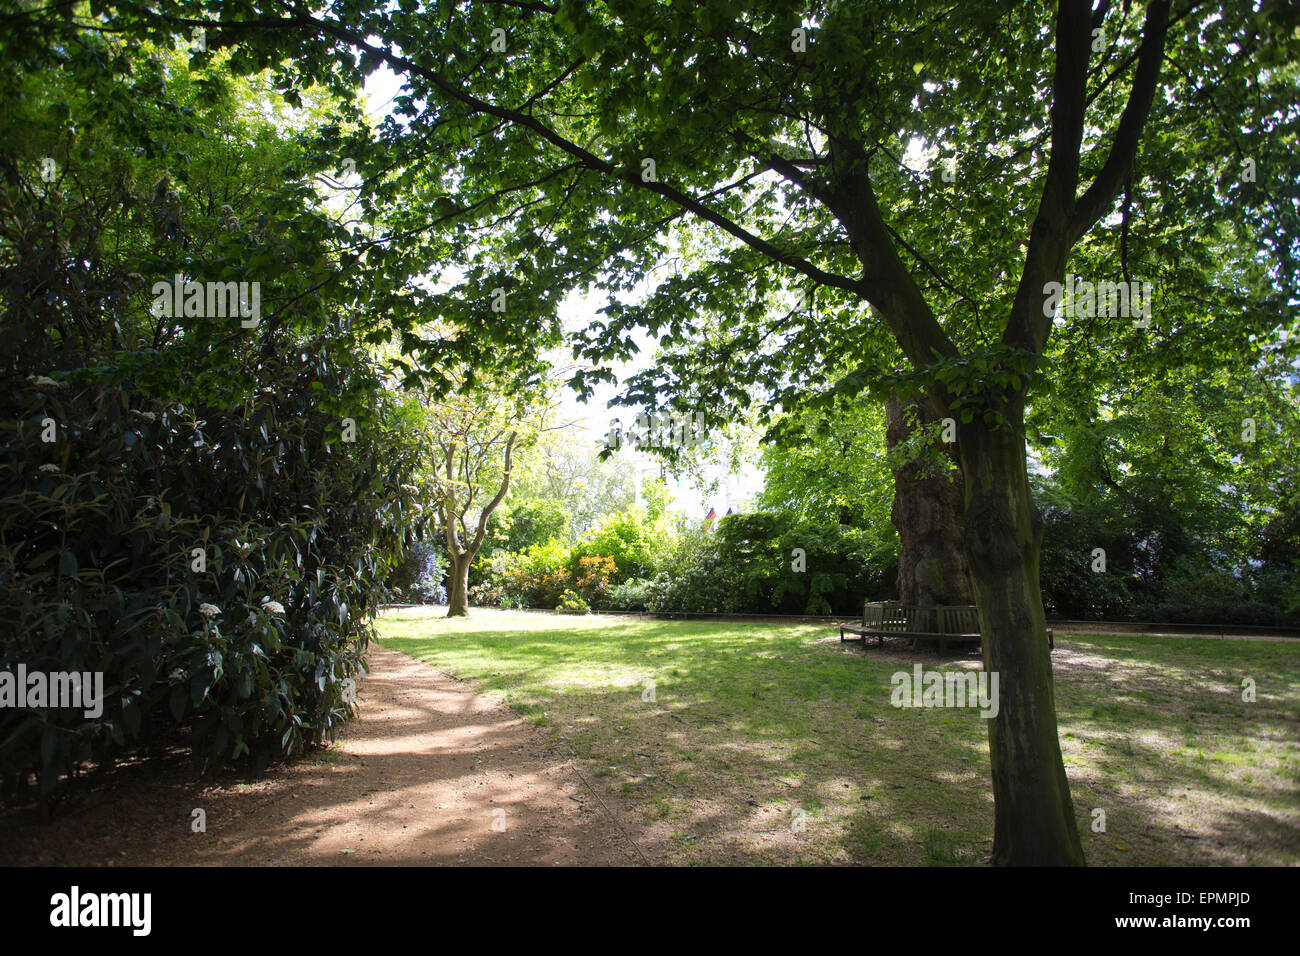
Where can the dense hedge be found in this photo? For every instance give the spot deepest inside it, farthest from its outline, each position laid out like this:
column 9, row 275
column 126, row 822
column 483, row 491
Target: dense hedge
column 203, row 527
column 749, row 564
column 248, row 642
column 1158, row 576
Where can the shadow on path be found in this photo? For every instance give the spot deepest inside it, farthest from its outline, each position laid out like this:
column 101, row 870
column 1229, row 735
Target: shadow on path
column 430, row 773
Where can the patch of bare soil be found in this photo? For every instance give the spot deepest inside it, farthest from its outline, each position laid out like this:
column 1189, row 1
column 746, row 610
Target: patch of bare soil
column 430, row 773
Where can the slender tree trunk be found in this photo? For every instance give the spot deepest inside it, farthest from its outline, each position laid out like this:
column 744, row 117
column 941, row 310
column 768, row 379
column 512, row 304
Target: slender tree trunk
column 458, row 593
column 451, row 512
column 927, row 512
column 1034, row 822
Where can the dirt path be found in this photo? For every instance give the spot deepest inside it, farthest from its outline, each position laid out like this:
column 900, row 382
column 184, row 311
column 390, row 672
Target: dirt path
column 431, row 773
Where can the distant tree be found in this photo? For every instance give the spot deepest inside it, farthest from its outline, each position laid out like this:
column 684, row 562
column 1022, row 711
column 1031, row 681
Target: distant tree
column 830, row 465
column 566, row 468
column 527, row 521
column 473, row 437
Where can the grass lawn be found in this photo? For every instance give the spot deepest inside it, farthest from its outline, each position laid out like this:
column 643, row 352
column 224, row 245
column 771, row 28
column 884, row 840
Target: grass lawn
column 773, row 743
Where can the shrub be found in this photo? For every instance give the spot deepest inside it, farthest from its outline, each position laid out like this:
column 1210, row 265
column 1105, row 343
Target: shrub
column 628, row 596
column 1071, row 589
column 572, row 603
column 1278, row 586
column 746, row 565
column 697, row 579
column 1148, row 579
column 99, row 569
column 537, row 577
column 202, row 530
column 636, row 543
column 593, row 577
column 418, row 578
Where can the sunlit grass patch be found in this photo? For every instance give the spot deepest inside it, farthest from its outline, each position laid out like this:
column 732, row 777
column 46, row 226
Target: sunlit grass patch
column 702, row 728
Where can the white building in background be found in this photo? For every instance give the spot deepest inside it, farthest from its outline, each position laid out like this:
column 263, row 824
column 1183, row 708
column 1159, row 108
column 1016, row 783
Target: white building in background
column 644, row 471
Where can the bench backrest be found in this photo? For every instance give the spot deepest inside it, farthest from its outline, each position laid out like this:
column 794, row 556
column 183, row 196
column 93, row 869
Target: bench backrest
column 873, row 613
column 959, row 619
column 916, row 619
column 923, row 620
column 885, row 615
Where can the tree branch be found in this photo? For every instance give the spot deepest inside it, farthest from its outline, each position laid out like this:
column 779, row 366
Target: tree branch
column 505, row 484
column 1105, row 187
column 886, row 283
column 1049, row 247
column 588, row 159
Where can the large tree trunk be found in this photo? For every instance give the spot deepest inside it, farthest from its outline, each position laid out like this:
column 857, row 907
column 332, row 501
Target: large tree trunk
column 458, row 593
column 927, row 512
column 1034, row 822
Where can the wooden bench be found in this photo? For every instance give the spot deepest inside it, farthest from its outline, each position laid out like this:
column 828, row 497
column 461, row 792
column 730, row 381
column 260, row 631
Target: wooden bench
column 936, row 622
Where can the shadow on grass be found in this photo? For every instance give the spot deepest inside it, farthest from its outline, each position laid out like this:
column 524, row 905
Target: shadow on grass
column 756, row 743
column 768, row 743
column 1157, row 735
